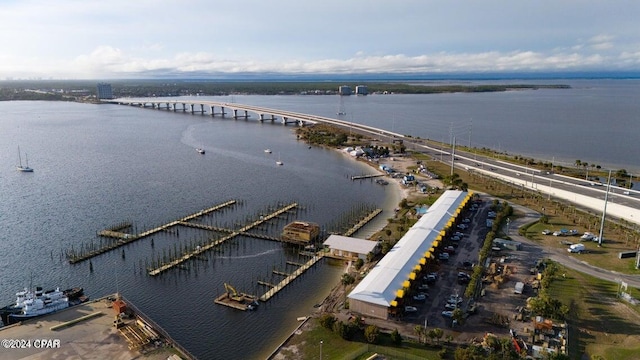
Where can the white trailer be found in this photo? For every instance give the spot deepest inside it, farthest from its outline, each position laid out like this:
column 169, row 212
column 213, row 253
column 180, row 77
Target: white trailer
column 519, row 288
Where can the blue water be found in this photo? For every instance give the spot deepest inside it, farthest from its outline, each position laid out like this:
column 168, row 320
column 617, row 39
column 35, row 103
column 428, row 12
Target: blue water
column 98, row 165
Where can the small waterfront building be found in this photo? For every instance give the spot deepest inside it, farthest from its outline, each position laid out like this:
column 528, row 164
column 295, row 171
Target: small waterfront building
column 104, row 91
column 301, row 232
column 382, row 292
column 349, row 248
column 344, row 90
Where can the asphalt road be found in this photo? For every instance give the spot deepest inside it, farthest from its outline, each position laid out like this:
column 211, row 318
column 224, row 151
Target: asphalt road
column 562, row 257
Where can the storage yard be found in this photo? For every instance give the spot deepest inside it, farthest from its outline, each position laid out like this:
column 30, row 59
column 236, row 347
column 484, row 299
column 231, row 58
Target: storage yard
column 105, row 328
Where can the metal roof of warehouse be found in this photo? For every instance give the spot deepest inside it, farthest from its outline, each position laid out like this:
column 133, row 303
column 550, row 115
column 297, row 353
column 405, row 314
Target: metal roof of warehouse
column 380, row 285
column 350, row 244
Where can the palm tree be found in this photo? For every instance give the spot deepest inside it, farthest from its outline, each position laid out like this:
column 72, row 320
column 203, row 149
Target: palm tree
column 578, row 163
column 438, row 334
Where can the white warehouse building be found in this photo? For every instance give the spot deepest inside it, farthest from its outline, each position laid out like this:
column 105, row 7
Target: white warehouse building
column 381, row 292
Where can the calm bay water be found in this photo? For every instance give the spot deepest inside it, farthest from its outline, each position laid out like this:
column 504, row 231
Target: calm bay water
column 98, row 165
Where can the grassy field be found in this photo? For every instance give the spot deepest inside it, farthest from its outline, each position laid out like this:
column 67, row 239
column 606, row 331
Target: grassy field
column 307, row 346
column 600, row 324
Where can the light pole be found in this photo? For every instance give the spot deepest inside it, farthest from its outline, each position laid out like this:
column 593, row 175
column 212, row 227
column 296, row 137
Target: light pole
column 508, row 223
column 320, row 349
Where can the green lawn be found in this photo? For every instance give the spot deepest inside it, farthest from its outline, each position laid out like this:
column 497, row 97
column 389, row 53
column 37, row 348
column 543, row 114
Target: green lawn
column 599, row 323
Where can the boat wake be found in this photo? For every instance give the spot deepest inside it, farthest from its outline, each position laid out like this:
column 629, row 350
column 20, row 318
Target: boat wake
column 272, row 251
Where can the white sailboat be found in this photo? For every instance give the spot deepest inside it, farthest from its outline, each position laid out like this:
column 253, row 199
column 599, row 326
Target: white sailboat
column 341, row 110
column 279, row 162
column 21, row 168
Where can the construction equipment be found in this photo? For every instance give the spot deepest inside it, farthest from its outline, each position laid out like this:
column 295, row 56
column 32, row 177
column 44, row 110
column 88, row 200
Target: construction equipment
column 233, row 294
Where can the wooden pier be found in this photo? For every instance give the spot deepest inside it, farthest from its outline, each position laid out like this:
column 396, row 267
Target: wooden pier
column 274, row 290
column 362, row 222
column 201, row 249
column 125, row 238
column 360, row 177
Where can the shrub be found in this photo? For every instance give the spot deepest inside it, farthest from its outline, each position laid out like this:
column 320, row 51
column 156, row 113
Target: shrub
column 327, row 321
column 372, row 334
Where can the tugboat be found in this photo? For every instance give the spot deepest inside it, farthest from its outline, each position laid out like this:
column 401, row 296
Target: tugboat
column 31, row 304
column 201, row 151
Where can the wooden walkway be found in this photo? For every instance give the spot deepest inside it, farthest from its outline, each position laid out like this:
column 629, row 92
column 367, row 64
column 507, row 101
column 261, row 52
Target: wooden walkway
column 360, row 177
column 201, row 249
column 125, row 238
column 299, row 271
column 362, row 222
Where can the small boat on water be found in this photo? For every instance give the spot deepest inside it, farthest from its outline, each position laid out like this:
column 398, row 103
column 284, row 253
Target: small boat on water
column 201, row 151
column 31, row 304
column 268, row 151
column 279, row 162
column 20, row 167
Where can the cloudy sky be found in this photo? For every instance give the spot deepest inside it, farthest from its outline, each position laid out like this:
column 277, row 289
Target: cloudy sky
column 87, row 39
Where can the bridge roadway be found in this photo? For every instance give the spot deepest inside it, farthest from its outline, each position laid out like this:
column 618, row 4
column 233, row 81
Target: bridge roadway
column 286, row 117
column 622, row 203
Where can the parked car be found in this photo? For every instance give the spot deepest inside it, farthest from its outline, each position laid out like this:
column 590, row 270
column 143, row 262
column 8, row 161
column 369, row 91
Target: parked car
column 410, row 309
column 450, row 249
column 546, row 232
column 467, row 264
column 429, row 279
column 557, row 233
column 420, row 297
column 455, row 238
column 458, row 233
column 466, row 220
column 423, row 287
column 443, row 256
column 447, row 313
column 462, row 226
column 449, row 306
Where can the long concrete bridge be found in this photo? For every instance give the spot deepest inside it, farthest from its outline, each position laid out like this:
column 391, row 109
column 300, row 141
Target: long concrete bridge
column 561, row 187
column 246, row 112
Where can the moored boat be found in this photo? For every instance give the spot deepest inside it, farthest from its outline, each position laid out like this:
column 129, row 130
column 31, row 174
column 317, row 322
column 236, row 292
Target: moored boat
column 31, row 304
column 201, row 151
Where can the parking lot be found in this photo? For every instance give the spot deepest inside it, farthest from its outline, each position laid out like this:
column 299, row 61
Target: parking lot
column 497, row 309
column 448, row 279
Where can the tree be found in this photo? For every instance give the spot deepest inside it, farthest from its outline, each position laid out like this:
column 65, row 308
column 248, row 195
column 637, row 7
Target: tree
column 438, row 334
column 327, row 321
column 396, row 338
column 359, row 263
column 372, row 334
column 419, row 331
column 347, row 279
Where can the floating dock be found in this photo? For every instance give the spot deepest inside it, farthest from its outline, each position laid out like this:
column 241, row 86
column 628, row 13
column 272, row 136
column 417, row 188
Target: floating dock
column 199, row 250
column 247, row 303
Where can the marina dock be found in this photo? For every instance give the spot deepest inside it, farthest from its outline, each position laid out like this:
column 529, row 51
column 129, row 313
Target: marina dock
column 363, row 222
column 299, row 271
column 201, row 249
column 126, row 238
column 360, row 177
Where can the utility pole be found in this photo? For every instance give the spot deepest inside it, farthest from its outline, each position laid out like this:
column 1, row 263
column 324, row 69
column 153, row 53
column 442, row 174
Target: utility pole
column 604, row 211
column 453, row 154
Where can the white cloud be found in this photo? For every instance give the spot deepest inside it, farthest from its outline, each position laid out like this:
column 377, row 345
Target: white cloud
column 61, row 39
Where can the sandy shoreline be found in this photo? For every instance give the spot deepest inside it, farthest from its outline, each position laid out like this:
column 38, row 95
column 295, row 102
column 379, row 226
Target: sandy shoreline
column 393, row 197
